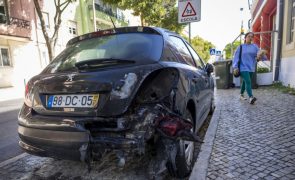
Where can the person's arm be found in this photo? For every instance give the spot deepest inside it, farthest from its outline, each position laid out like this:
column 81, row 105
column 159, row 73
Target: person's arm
column 236, row 58
column 261, row 55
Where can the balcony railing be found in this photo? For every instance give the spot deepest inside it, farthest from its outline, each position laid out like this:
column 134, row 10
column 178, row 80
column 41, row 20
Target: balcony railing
column 110, row 12
column 256, row 7
column 21, row 23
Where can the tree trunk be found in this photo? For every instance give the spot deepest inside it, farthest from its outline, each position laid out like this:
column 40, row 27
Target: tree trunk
column 45, row 34
column 142, row 20
column 51, row 41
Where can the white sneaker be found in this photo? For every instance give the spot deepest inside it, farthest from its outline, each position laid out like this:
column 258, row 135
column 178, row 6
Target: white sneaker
column 242, row 97
column 252, row 100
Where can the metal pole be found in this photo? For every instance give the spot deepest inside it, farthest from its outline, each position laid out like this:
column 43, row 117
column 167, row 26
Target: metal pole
column 241, row 38
column 232, row 50
column 232, row 45
column 189, row 32
column 279, row 46
column 94, row 16
column 272, row 51
column 241, row 30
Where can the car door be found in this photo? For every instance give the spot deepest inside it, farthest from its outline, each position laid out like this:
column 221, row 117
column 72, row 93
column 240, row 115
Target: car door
column 206, row 97
column 195, row 76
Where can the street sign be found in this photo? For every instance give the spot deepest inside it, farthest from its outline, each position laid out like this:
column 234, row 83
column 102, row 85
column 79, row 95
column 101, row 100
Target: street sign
column 189, row 11
column 212, row 51
column 218, row 53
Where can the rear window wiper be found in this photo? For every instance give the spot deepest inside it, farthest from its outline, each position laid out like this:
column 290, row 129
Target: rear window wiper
column 97, row 63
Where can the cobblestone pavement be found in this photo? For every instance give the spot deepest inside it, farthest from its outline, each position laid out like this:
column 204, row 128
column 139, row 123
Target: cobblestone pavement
column 254, row 141
column 37, row 168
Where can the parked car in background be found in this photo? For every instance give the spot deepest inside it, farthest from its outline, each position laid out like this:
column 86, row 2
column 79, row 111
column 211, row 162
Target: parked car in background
column 120, row 90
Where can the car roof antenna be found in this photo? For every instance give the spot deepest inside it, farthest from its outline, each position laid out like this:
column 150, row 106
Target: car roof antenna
column 112, row 22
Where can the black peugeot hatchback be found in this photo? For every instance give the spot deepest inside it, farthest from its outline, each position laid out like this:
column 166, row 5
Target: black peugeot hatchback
column 121, row 90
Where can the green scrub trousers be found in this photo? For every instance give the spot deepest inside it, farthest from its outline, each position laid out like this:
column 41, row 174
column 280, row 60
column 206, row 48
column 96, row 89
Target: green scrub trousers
column 246, row 82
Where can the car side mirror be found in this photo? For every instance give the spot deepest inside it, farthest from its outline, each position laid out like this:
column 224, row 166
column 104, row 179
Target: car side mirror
column 209, row 68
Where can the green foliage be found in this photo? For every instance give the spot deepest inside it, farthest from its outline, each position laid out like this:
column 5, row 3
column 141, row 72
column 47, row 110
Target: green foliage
column 161, row 13
column 202, row 47
column 228, row 48
column 170, row 21
column 262, row 70
column 285, row 89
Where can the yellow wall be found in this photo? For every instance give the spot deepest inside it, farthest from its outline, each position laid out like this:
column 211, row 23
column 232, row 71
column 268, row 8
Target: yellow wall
column 288, row 50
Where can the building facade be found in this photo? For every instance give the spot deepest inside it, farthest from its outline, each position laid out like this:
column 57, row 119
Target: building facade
column 23, row 51
column 265, row 24
column 287, row 65
column 16, row 31
column 96, row 15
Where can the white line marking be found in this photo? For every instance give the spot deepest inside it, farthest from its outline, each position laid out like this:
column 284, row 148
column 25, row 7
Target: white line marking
column 11, row 160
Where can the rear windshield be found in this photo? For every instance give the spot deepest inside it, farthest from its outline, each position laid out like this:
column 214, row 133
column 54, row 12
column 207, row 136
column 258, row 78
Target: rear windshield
column 139, row 48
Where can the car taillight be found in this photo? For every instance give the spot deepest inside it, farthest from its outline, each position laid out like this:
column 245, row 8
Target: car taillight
column 28, row 96
column 26, row 89
column 176, row 127
column 171, row 126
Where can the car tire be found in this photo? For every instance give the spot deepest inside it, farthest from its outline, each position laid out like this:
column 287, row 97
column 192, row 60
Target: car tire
column 184, row 159
column 212, row 106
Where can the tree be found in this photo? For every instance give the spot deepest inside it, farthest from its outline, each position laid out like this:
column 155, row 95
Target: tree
column 229, row 48
column 60, row 6
column 162, row 13
column 170, row 20
column 202, row 47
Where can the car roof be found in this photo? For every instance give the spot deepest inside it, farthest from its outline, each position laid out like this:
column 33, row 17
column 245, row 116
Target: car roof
column 122, row 30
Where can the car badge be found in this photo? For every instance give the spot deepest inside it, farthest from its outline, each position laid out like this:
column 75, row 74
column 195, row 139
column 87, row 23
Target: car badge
column 70, row 77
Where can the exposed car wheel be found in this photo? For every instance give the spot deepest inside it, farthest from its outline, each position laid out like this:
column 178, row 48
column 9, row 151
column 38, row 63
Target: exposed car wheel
column 184, row 159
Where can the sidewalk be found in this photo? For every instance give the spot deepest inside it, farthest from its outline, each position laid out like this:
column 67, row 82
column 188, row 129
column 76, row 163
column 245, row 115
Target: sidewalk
column 11, row 93
column 247, row 141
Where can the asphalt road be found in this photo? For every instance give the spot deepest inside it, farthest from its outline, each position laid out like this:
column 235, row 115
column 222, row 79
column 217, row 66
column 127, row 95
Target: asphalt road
column 8, row 129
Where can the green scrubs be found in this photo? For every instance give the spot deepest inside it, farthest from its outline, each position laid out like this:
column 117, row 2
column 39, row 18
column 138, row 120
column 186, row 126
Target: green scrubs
column 246, row 82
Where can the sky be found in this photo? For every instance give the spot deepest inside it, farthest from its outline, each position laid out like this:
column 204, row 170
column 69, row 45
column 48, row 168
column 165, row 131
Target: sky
column 221, row 21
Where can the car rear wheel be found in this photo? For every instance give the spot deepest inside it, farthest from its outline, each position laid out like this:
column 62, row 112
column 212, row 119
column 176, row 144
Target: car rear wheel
column 184, row 156
column 212, row 106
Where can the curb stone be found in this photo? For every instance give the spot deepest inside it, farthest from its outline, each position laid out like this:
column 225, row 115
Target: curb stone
column 199, row 171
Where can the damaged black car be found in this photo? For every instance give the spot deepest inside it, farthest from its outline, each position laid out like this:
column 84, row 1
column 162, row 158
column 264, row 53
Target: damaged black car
column 121, row 90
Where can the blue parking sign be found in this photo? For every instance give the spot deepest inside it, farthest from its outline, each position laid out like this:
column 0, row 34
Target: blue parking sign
column 212, row 51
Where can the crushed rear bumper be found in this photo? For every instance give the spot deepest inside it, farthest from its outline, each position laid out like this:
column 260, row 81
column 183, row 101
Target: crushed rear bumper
column 82, row 138
column 50, row 143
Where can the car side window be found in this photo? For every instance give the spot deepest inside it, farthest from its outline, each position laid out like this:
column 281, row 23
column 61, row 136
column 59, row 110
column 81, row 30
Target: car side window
column 182, row 49
column 168, row 55
column 197, row 59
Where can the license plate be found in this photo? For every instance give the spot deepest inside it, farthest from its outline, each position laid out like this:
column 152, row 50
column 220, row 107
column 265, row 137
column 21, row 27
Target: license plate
column 77, row 100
